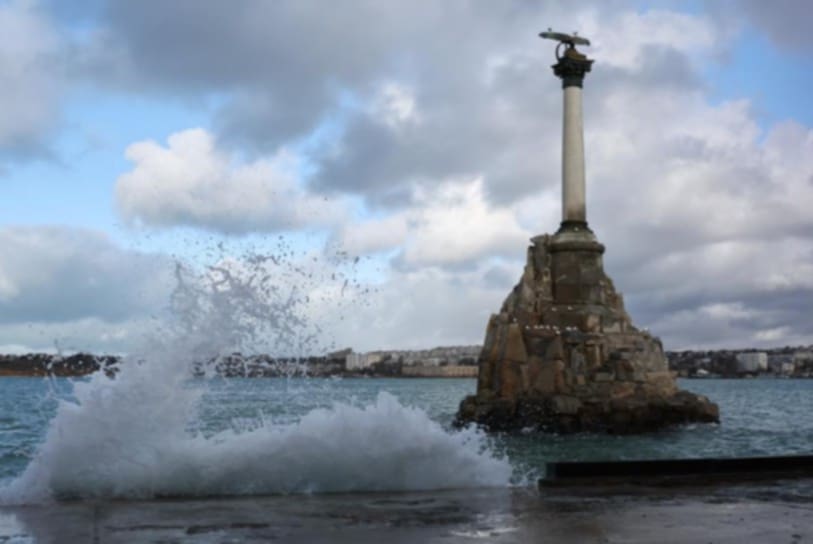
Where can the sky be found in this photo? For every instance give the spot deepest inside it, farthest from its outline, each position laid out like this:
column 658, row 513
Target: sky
column 396, row 158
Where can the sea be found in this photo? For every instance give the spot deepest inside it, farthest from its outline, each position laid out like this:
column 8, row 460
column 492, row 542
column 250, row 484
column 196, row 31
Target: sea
column 145, row 435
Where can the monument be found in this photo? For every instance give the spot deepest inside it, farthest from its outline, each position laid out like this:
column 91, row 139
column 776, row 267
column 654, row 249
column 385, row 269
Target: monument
column 562, row 355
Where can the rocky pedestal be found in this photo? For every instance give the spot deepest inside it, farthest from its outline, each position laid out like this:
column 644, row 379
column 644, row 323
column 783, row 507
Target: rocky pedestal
column 563, row 355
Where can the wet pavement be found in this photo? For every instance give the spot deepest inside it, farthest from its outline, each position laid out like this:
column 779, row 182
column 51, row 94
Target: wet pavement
column 779, row 512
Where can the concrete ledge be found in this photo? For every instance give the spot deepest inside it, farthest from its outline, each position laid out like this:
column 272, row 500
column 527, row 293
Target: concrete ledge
column 488, row 515
column 677, row 471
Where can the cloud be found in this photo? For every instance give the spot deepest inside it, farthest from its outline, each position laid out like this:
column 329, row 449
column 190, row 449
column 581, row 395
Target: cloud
column 190, row 182
column 281, row 66
column 54, row 274
column 784, row 21
column 701, row 208
column 280, row 81
column 418, row 309
column 455, row 224
column 76, row 288
column 30, row 80
column 373, row 235
column 93, row 335
column 427, row 93
column 496, row 115
column 449, row 225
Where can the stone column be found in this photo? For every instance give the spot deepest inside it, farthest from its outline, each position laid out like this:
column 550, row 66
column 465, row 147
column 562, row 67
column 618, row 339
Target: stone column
column 572, row 67
column 573, row 203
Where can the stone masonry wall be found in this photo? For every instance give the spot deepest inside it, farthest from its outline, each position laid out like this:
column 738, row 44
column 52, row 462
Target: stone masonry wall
column 564, row 348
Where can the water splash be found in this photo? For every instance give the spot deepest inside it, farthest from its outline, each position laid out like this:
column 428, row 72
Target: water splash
column 138, row 434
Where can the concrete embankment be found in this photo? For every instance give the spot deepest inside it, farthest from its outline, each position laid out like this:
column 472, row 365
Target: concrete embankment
column 507, row 515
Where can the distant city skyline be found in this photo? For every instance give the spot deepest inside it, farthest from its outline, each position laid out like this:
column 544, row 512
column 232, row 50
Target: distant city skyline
column 422, row 140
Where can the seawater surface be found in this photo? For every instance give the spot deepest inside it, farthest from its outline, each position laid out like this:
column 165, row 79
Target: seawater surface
column 244, row 436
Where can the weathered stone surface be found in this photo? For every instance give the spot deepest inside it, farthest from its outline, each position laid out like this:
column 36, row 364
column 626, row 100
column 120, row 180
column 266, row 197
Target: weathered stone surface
column 515, row 345
column 562, row 355
column 548, row 380
column 565, row 405
column 510, row 379
column 603, row 376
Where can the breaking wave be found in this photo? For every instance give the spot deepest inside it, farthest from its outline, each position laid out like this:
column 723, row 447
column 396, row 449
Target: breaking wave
column 138, row 434
column 103, row 449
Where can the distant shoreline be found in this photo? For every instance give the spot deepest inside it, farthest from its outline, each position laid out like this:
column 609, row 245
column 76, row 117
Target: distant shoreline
column 439, row 362
column 231, row 366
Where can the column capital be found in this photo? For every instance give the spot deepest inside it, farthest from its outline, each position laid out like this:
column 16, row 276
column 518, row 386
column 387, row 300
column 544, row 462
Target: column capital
column 572, row 67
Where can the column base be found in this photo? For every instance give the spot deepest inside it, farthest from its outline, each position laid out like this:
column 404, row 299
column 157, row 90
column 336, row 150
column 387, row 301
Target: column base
column 573, row 225
column 575, row 236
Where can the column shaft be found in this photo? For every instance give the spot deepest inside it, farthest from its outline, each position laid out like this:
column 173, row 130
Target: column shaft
column 573, row 185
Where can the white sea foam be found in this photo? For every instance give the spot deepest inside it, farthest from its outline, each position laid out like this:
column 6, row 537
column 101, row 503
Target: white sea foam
column 131, row 446
column 135, row 435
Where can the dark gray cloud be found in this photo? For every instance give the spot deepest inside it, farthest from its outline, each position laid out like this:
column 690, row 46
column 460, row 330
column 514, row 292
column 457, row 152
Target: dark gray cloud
column 754, row 294
column 484, row 96
column 786, row 22
column 286, row 63
column 748, row 319
column 281, row 69
column 498, row 116
column 501, row 130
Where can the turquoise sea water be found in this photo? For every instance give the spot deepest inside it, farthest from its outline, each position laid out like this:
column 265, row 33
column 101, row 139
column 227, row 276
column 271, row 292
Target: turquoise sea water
column 759, row 417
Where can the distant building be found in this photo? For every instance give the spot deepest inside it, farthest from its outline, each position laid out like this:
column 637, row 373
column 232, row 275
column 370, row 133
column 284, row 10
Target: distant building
column 787, row 369
column 776, row 360
column 435, row 357
column 752, row 362
column 802, row 357
column 359, row 361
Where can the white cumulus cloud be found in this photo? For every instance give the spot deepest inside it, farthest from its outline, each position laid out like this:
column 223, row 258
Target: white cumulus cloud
column 193, row 183
column 447, row 225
